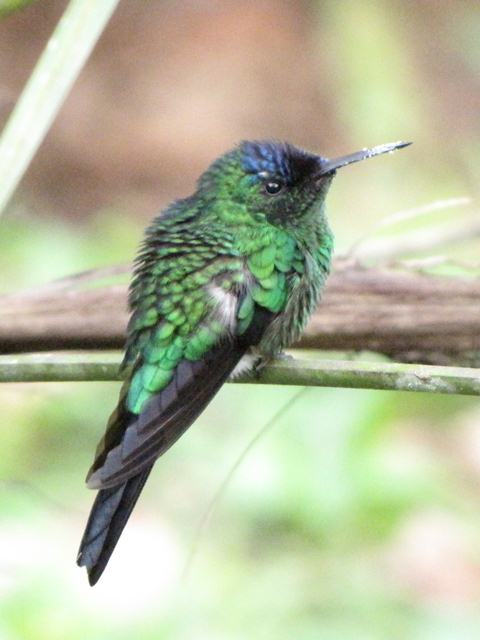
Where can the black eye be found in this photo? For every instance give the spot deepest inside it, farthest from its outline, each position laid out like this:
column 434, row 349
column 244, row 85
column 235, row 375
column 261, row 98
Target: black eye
column 272, row 187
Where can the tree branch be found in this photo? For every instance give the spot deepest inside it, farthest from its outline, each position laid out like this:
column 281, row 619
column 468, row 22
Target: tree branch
column 95, row 366
column 405, row 315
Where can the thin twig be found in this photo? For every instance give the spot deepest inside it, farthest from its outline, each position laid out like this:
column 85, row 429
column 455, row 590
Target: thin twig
column 297, row 371
column 385, row 251
column 423, row 265
column 363, row 246
column 221, row 490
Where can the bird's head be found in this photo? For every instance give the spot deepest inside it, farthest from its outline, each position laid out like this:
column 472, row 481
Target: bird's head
column 275, row 181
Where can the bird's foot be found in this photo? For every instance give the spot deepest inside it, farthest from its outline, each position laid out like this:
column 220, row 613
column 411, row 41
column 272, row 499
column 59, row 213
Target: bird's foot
column 284, row 357
column 259, row 365
column 264, row 361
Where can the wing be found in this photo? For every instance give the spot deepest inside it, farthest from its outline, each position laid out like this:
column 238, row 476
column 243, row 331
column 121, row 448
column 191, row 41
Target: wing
column 164, row 417
column 193, row 320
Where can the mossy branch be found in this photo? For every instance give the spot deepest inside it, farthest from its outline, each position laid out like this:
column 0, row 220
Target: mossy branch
column 297, row 371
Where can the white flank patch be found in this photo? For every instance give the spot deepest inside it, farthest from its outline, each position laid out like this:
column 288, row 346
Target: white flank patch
column 226, row 305
column 245, row 365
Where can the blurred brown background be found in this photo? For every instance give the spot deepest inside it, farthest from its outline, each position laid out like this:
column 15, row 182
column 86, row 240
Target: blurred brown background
column 173, row 84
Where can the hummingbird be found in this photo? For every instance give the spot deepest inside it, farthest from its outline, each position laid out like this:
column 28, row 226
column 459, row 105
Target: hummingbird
column 225, row 279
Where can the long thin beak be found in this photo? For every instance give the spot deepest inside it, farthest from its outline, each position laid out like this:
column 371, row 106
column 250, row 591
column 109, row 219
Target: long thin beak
column 328, row 166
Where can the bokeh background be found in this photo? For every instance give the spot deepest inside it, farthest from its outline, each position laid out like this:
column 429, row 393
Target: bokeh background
column 357, row 516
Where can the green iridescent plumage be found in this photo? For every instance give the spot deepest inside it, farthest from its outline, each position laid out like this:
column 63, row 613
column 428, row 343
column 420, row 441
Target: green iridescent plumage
column 222, row 242
column 235, row 269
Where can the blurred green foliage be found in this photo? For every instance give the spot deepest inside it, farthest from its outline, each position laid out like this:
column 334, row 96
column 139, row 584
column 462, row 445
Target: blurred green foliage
column 357, row 517
column 9, row 6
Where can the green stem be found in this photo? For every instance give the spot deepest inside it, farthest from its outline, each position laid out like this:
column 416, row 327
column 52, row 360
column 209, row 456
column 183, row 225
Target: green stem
column 96, row 366
column 55, row 72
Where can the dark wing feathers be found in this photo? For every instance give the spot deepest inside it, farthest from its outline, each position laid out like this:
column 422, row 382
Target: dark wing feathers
column 133, row 442
column 126, row 467
column 166, row 416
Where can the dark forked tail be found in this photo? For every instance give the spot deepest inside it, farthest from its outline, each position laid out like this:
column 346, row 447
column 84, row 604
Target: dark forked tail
column 108, row 517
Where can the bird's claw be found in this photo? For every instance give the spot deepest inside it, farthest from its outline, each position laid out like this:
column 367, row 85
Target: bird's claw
column 264, row 361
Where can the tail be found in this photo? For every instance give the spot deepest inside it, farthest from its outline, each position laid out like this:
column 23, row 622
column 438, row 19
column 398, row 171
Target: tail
column 108, row 517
